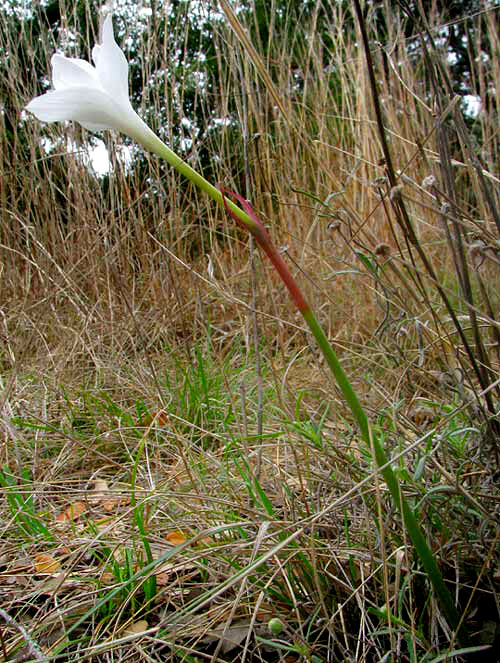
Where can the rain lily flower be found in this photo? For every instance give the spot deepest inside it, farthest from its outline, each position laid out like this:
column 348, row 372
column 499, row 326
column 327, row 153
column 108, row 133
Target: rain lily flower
column 97, row 97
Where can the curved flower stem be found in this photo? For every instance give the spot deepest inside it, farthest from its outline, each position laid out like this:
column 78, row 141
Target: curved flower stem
column 247, row 218
column 150, row 141
column 420, row 544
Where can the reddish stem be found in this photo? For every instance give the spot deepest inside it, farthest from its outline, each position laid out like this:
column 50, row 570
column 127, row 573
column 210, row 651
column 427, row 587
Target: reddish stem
column 263, row 239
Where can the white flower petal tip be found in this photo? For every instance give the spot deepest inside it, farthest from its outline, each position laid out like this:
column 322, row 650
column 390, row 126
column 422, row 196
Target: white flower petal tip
column 94, row 96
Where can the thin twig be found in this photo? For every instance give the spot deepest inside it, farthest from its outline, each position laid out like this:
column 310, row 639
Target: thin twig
column 31, row 645
column 253, row 276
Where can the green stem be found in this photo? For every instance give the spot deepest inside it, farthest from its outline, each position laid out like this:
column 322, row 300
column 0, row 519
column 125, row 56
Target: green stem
column 150, row 141
column 249, row 220
column 369, row 436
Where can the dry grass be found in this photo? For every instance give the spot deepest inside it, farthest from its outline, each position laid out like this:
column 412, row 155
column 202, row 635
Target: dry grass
column 131, row 404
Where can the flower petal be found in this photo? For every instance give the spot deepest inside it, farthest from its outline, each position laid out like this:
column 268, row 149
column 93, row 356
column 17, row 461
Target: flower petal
column 112, row 65
column 72, row 72
column 89, row 106
column 95, row 53
column 96, row 97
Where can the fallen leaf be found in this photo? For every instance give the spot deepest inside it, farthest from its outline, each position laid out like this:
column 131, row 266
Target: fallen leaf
column 72, row 512
column 204, row 542
column 99, row 491
column 109, row 505
column 136, row 627
column 159, row 419
column 56, row 583
column 231, row 637
column 45, row 563
column 176, row 538
column 162, row 579
column 107, row 578
column 263, row 614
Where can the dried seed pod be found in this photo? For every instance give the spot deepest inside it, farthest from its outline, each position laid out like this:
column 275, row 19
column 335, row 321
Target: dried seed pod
column 476, row 253
column 429, row 182
column 383, row 250
column 378, row 182
column 396, row 192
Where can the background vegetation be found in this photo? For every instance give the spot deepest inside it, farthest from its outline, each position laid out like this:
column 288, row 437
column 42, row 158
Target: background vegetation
column 180, row 479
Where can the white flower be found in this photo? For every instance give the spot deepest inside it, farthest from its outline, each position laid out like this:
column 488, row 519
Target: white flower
column 95, row 97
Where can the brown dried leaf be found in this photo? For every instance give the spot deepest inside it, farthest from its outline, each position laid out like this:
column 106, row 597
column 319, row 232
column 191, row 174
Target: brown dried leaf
column 45, row 563
column 263, row 615
column 107, row 578
column 159, row 419
column 57, row 583
column 231, row 637
column 136, row 627
column 109, row 505
column 205, row 542
column 176, row 538
column 99, row 491
column 162, row 579
column 72, row 512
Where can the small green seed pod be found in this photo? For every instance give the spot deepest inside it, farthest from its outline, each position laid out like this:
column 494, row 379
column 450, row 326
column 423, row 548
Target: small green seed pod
column 275, row 625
